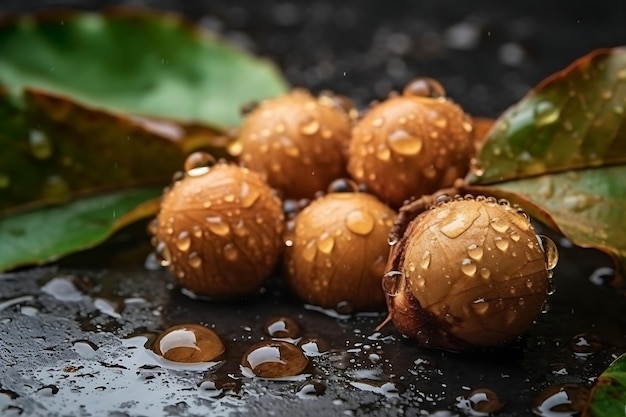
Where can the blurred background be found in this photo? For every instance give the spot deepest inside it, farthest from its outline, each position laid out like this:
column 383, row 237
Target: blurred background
column 486, row 53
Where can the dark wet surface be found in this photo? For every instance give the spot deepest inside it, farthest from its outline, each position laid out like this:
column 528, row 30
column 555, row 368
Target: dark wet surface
column 74, row 334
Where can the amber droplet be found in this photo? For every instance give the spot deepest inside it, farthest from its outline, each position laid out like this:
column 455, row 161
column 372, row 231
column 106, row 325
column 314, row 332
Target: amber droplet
column 282, row 327
column 274, row 359
column 188, row 343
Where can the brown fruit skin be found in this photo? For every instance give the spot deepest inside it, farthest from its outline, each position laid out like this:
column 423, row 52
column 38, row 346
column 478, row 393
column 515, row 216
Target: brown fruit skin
column 409, row 146
column 233, row 223
column 297, row 141
column 351, row 268
column 475, row 275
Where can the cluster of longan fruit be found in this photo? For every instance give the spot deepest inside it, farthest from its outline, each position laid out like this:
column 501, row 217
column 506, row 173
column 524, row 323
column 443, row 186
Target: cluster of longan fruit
column 315, row 189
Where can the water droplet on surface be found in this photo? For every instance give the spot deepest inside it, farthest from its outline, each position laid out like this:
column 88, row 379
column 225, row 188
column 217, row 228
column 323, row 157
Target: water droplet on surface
column 502, row 243
column 425, row 259
column 475, row 252
column 326, row 243
column 230, row 252
column 468, row 267
column 310, row 128
column 217, row 225
column 39, row 145
column 343, row 185
column 183, row 241
column 561, row 400
column 198, row 163
column 476, row 167
column 188, row 343
column 383, row 153
column 403, row 143
column 387, row 388
column 393, row 283
column 274, row 359
column 424, row 87
column 550, row 250
column 63, row 289
column 457, row 222
column 311, row 389
column 313, row 346
column 85, row 348
column 194, row 260
column 163, row 254
column 545, row 113
column 360, row 222
column 480, row 402
column 378, row 122
column 282, row 327
column 485, row 273
column 584, row 345
column 500, row 225
column 309, row 251
column 480, row 306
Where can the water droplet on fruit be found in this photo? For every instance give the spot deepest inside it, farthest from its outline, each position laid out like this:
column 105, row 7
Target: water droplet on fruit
column 550, row 250
column 310, row 127
column 480, row 306
column 378, row 122
column 230, row 252
column 475, row 252
column 499, row 225
column 457, row 222
column 343, row 185
column 393, row 283
column 163, row 255
column 468, row 267
column 198, row 163
column 360, row 222
column 545, row 113
column 325, row 243
column 274, row 359
column 217, row 225
column 425, row 259
column 282, row 327
column 39, row 144
column 424, row 87
column 183, row 241
column 502, row 243
column 188, row 343
column 194, row 260
column 403, row 143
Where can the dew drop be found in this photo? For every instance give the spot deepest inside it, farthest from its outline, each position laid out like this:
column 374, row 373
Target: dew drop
column 188, row 343
column 163, row 254
column 403, row 143
column 249, row 195
column 499, row 225
column 194, row 260
column 550, row 250
column 230, row 252
column 545, row 113
column 360, row 222
column 393, row 283
column 313, row 346
column 274, row 359
column 343, row 185
column 383, row 153
column 425, row 259
column 584, row 345
column 424, row 87
column 430, row 171
column 480, row 402
column 480, row 306
column 561, row 400
column 378, row 122
column 311, row 127
column 475, row 252
column 501, row 243
column 311, row 389
column 476, row 167
column 468, row 267
column 39, row 144
column 217, row 225
column 457, row 222
column 325, row 243
column 234, row 148
column 198, row 163
column 485, row 273
column 282, row 327
column 183, row 241
column 309, row 251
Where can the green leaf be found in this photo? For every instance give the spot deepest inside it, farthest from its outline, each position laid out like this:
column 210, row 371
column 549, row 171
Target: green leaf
column 608, row 396
column 140, row 63
column 47, row 234
column 561, row 153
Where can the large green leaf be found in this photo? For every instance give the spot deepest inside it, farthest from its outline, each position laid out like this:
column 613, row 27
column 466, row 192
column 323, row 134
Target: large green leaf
column 91, row 105
column 134, row 62
column 608, row 396
column 47, row 234
column 561, row 153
